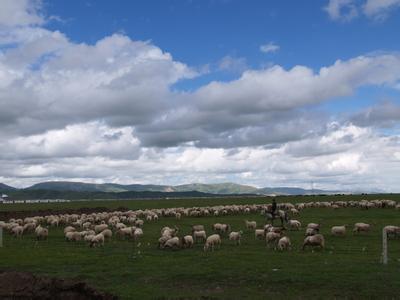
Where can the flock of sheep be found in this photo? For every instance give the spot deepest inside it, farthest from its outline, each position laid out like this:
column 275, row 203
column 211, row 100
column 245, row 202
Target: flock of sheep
column 96, row 228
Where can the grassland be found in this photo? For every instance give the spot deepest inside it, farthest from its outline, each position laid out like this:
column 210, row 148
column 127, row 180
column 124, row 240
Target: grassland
column 349, row 267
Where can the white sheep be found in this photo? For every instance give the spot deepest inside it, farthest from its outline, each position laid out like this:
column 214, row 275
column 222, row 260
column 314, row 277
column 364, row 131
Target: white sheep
column 314, row 241
column 73, row 236
column 338, row 230
column 41, row 233
column 199, row 235
column 69, row 229
column 272, row 238
column 235, row 236
column 100, row 228
column 212, row 241
column 137, row 233
column 392, row 231
column 284, row 243
column 361, row 227
column 251, row 224
column 107, row 233
column 259, row 233
column 187, row 241
column 173, row 243
column 97, row 240
column 294, row 224
column 17, row 231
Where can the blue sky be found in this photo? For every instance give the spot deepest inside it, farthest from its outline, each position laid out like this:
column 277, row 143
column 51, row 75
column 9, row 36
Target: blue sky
column 267, row 93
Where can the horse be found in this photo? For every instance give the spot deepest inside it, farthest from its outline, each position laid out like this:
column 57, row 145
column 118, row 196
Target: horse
column 280, row 214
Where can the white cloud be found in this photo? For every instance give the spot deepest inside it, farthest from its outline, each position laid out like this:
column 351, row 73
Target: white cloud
column 379, row 9
column 20, row 13
column 343, row 10
column 271, row 47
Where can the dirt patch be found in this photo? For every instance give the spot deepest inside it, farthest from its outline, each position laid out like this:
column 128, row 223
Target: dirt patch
column 6, row 215
column 22, row 285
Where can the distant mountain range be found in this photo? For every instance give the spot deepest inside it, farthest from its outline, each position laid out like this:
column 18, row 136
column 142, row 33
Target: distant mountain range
column 218, row 188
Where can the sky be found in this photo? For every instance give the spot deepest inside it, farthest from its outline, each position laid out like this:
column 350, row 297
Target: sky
column 264, row 93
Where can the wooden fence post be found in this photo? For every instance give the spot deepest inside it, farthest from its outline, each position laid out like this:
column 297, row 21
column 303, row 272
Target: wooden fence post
column 384, row 247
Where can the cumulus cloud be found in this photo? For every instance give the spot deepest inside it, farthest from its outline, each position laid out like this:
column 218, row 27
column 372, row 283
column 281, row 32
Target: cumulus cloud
column 271, row 47
column 346, row 10
column 385, row 114
column 20, row 12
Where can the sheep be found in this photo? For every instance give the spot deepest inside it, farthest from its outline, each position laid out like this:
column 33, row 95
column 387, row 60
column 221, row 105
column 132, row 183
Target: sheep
column 392, row 231
column 73, row 236
column 212, row 241
column 294, row 225
column 294, row 212
column 259, row 233
column 162, row 240
column 199, row 235
column 187, row 241
column 314, row 241
column 251, row 224
column 41, row 233
column 314, row 226
column 137, row 233
column 139, row 223
column 197, row 228
column 221, row 228
column 235, row 236
column 311, row 231
column 29, row 227
column 284, row 243
column 361, row 227
column 97, row 240
column 69, row 229
column 17, row 231
column 100, row 228
column 88, row 238
column 338, row 230
column 173, row 243
column 123, row 232
column 271, row 237
column 107, row 233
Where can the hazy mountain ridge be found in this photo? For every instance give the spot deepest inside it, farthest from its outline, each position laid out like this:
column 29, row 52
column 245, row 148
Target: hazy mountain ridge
column 218, row 188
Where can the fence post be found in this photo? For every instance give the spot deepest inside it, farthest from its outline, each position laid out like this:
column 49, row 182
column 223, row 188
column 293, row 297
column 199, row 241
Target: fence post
column 384, row 247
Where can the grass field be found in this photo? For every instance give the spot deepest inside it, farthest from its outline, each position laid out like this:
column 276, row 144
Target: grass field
column 349, row 267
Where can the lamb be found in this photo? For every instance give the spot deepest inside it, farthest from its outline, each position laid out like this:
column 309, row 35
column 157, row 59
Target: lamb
column 361, row 227
column 259, row 233
column 212, row 241
column 173, row 243
column 294, row 225
column 314, row 241
column 338, row 230
column 187, row 241
column 251, row 224
column 235, row 236
column 284, row 243
column 271, row 238
column 199, row 235
column 97, row 240
column 41, row 233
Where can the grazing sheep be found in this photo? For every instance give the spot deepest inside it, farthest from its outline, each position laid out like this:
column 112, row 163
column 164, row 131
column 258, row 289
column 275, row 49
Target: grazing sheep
column 314, row 241
column 88, row 238
column 173, row 243
column 100, row 228
column 69, row 229
column 97, row 240
column 294, row 225
column 138, row 232
column 29, row 227
column 235, row 236
column 251, row 224
column 199, row 235
column 314, row 226
column 259, row 233
column 361, row 227
column 41, row 233
column 162, row 240
column 221, row 228
column 125, row 232
column 392, row 231
column 338, row 230
column 73, row 236
column 272, row 238
column 187, row 241
column 284, row 243
column 197, row 228
column 294, row 212
column 107, row 233
column 17, row 231
column 139, row 223
column 311, row 231
column 212, row 241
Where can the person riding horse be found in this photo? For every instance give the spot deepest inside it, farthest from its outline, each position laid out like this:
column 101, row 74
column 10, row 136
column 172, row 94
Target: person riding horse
column 272, row 213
